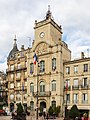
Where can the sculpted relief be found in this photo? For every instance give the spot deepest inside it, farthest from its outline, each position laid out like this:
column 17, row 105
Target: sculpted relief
column 42, row 47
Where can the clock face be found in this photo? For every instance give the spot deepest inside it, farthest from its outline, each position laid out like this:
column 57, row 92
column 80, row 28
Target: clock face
column 42, row 34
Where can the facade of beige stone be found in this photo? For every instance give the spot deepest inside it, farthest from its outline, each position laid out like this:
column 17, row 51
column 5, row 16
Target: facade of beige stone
column 3, row 89
column 17, row 77
column 47, row 74
column 77, row 76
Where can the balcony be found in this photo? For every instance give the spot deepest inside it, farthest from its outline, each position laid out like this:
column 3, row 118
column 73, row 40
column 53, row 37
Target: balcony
column 18, row 88
column 84, row 101
column 21, row 67
column 10, row 70
column 18, row 77
column 42, row 94
column 75, row 101
column 75, row 87
column 84, row 87
column 21, row 88
column 68, row 89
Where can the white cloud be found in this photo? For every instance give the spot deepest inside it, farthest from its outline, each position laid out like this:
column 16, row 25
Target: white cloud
column 18, row 16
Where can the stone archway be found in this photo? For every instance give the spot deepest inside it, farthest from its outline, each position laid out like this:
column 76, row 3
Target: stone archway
column 42, row 106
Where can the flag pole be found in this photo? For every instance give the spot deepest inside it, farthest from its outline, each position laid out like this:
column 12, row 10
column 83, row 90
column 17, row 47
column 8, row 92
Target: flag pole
column 36, row 61
column 37, row 88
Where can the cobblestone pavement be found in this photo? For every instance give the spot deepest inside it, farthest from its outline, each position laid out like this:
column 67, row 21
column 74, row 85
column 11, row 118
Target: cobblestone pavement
column 28, row 118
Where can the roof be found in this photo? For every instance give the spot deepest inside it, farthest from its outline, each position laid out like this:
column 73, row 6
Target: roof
column 13, row 51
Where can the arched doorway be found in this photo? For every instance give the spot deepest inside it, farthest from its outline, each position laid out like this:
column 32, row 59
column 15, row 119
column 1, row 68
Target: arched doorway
column 42, row 106
column 11, row 107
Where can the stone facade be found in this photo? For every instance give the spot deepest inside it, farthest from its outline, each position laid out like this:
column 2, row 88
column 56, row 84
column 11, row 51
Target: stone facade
column 77, row 76
column 3, row 89
column 46, row 76
column 17, row 77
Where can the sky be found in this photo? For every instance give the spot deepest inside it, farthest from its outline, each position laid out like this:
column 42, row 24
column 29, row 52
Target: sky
column 17, row 17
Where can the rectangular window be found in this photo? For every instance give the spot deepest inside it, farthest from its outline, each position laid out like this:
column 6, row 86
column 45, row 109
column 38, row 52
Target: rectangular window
column 18, row 84
column 85, row 67
column 12, row 76
column 67, row 70
column 84, row 98
column 31, row 68
column 75, row 98
column 18, row 66
column 53, row 63
column 75, row 82
column 85, row 82
column 67, row 84
column 12, row 67
column 53, row 85
column 18, row 75
column 11, row 85
column 42, row 88
column 42, row 66
column 68, row 98
column 76, row 69
column 31, row 87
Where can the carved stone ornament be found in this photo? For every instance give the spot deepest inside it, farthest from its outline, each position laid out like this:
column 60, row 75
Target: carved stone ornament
column 42, row 47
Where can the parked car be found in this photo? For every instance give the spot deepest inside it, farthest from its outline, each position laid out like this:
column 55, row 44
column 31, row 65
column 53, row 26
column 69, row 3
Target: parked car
column 2, row 112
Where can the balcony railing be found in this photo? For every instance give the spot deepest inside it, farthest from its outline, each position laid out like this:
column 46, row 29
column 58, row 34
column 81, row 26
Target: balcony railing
column 84, row 101
column 42, row 94
column 21, row 67
column 21, row 88
column 67, row 88
column 10, row 69
column 75, row 87
column 75, row 101
column 84, row 87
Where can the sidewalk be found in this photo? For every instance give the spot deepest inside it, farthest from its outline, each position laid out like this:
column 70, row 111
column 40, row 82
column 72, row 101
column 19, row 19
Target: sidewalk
column 41, row 118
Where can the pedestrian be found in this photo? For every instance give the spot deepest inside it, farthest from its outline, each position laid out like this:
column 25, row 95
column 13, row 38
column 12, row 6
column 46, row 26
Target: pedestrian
column 44, row 114
column 47, row 116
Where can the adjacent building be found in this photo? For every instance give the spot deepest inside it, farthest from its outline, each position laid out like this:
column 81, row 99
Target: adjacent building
column 77, row 78
column 17, row 76
column 3, row 89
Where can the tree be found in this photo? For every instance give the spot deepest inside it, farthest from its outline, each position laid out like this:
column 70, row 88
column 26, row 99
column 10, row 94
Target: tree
column 19, row 108
column 74, row 112
column 50, row 111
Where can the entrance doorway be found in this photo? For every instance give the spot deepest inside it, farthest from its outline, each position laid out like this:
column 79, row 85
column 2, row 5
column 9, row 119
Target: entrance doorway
column 11, row 107
column 42, row 106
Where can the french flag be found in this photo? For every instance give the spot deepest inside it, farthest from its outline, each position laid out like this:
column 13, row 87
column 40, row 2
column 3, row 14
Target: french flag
column 66, row 86
column 35, row 59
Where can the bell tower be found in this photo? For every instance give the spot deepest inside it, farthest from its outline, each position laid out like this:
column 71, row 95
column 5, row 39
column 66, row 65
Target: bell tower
column 48, row 30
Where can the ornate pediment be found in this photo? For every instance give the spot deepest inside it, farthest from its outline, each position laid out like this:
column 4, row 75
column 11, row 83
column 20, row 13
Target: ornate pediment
column 41, row 47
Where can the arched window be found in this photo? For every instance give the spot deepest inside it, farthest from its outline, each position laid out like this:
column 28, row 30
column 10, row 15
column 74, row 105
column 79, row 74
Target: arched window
column 31, row 87
column 54, row 85
column 32, row 105
column 42, row 86
column 53, row 104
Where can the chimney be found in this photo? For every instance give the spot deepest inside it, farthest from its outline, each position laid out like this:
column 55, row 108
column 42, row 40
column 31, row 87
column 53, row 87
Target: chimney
column 82, row 55
column 22, row 47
